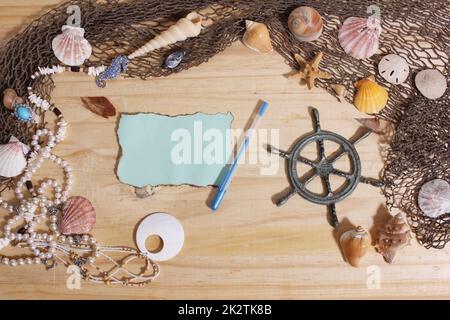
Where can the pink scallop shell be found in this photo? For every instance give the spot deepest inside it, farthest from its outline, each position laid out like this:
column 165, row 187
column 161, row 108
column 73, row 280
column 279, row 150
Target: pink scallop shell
column 434, row 198
column 359, row 37
column 78, row 216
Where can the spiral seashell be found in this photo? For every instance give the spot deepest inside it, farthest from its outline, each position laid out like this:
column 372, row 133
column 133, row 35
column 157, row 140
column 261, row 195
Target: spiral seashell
column 393, row 237
column 305, row 23
column 10, row 98
column 371, row 97
column 70, row 47
column 354, row 244
column 78, row 216
column 12, row 158
column 359, row 37
column 187, row 27
column 434, row 198
column 257, row 37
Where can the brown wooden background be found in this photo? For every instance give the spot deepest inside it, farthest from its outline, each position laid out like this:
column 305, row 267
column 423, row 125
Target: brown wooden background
column 251, row 248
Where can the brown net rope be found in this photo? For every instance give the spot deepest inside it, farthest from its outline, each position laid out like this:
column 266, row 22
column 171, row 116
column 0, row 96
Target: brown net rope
column 419, row 31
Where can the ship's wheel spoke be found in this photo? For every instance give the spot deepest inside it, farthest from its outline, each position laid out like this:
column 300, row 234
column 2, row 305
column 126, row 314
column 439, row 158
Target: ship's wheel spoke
column 326, row 181
column 341, row 173
column 306, row 161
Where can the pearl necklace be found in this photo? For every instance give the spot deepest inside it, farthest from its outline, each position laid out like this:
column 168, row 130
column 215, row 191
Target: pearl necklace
column 47, row 248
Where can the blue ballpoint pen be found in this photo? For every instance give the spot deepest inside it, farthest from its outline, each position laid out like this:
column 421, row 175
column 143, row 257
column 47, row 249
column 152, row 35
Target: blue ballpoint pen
column 223, row 187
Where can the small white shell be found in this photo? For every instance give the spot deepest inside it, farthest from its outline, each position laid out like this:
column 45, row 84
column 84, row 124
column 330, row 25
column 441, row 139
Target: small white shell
column 12, row 158
column 4, row 243
column 431, row 83
column 393, row 68
column 359, row 37
column 168, row 228
column 70, row 47
column 434, row 198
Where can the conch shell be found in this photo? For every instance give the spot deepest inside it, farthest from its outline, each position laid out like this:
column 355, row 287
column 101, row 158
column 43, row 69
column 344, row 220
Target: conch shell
column 394, row 236
column 354, row 244
column 70, row 47
column 187, row 27
column 371, row 97
column 257, row 37
column 12, row 158
column 305, row 23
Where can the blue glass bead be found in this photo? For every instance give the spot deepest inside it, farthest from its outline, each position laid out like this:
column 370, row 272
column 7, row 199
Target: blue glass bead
column 23, row 113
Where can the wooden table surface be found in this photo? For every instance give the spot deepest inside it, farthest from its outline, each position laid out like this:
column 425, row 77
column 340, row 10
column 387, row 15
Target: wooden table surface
column 251, row 248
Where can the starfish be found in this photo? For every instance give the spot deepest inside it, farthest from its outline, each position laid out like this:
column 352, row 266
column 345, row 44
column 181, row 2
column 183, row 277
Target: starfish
column 309, row 70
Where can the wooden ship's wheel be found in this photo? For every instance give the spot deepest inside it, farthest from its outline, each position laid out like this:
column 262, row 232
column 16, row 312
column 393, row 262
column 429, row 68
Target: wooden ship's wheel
column 323, row 168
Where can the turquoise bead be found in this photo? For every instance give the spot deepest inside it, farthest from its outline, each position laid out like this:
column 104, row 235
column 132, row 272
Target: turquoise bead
column 23, row 113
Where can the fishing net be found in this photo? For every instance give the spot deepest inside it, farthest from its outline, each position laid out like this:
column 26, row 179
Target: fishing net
column 419, row 31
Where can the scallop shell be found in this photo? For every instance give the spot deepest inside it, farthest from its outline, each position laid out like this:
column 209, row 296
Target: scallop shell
column 431, row 83
column 70, row 47
column 393, row 68
column 434, row 198
column 12, row 158
column 393, row 237
column 305, row 23
column 354, row 244
column 359, row 37
column 371, row 97
column 257, row 37
column 78, row 216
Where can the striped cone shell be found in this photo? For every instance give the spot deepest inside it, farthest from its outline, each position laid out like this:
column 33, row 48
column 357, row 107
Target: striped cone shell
column 78, row 216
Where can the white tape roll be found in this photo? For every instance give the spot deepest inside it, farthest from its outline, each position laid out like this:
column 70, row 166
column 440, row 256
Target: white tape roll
column 168, row 228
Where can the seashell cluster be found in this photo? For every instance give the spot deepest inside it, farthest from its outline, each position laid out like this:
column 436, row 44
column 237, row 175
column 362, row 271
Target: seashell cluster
column 354, row 244
column 393, row 237
column 12, row 158
column 359, row 37
column 393, row 68
column 78, row 216
column 10, row 98
column 434, row 198
column 257, row 37
column 431, row 83
column 70, row 47
column 187, row 27
column 305, row 23
column 371, row 97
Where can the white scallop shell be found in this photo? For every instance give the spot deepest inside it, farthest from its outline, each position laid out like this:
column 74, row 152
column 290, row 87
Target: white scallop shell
column 70, row 47
column 12, row 158
column 431, row 83
column 359, row 37
column 434, row 198
column 393, row 68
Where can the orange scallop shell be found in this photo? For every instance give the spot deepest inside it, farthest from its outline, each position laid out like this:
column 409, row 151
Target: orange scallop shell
column 78, row 216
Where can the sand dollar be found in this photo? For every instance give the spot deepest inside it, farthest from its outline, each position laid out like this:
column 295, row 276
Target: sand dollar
column 393, row 68
column 431, row 83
